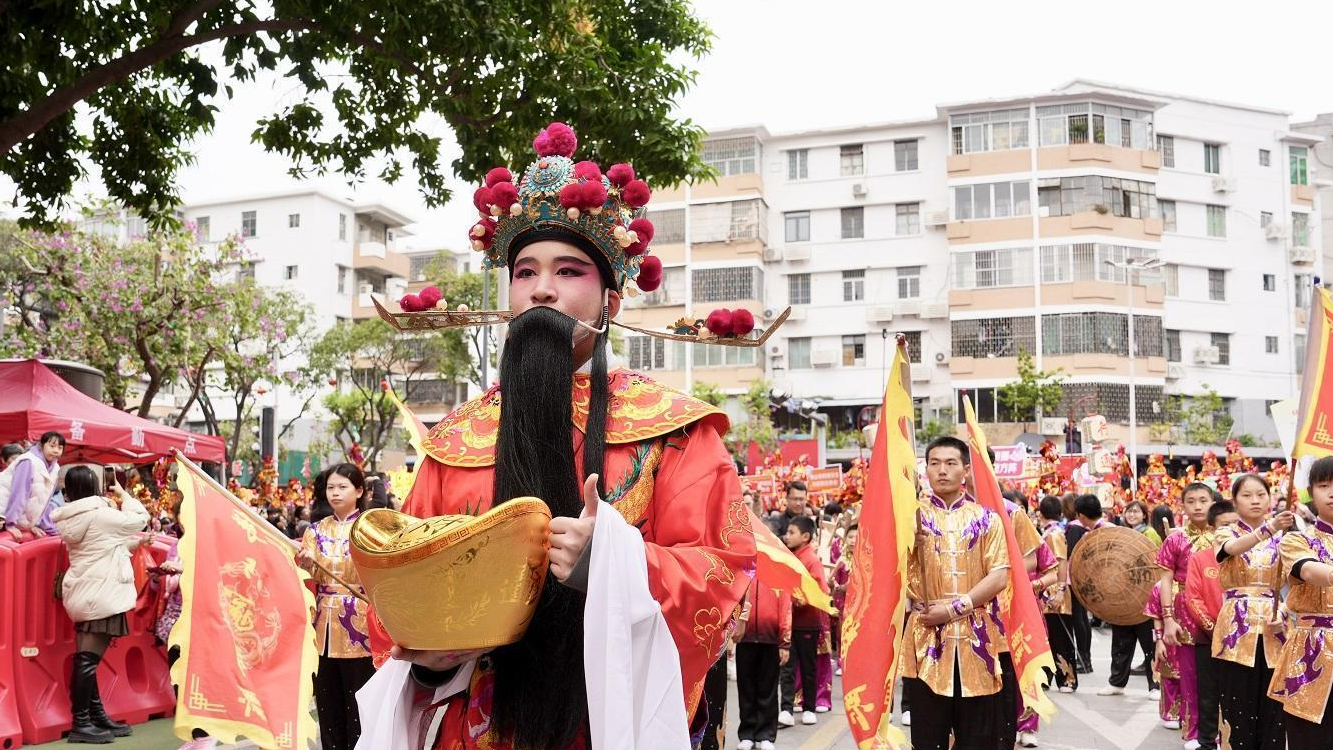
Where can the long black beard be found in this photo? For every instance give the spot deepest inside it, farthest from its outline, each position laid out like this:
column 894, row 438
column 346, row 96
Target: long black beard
column 540, row 700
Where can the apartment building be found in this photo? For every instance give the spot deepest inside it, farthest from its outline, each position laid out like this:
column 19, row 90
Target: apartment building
column 1321, row 156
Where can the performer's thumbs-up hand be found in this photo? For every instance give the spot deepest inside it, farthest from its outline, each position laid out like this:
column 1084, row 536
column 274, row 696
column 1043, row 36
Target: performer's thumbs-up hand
column 570, row 536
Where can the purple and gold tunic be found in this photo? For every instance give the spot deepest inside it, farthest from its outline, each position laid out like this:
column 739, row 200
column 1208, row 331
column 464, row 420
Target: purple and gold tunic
column 957, row 546
column 1303, row 673
column 340, row 617
column 1251, row 583
column 1174, row 555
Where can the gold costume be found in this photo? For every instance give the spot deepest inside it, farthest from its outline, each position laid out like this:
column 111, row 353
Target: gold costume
column 1250, row 585
column 1055, row 539
column 340, row 618
column 1303, row 673
column 957, row 546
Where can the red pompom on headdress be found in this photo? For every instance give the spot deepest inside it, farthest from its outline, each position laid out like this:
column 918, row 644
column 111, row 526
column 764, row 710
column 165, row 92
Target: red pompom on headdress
column 430, row 296
column 482, row 199
column 482, row 234
column 587, row 170
column 742, row 322
column 620, row 175
column 503, row 196
column 411, row 303
column 643, row 228
column 650, row 274
column 636, row 193
column 557, row 139
column 499, row 174
column 719, row 322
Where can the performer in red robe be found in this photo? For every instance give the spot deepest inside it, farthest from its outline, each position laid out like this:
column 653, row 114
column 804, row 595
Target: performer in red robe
column 566, row 426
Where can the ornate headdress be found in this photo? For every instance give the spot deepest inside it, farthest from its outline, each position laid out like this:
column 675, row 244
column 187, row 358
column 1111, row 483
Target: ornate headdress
column 560, row 199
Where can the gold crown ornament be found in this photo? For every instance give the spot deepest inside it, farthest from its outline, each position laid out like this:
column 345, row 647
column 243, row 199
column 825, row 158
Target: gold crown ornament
column 457, row 582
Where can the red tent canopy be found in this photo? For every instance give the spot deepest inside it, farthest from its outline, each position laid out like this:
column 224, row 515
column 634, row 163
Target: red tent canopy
column 33, row 400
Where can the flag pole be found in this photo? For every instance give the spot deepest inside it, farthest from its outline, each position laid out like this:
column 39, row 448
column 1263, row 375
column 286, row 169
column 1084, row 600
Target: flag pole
column 265, row 527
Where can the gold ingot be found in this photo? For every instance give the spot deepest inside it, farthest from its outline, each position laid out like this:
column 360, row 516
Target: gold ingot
column 454, row 583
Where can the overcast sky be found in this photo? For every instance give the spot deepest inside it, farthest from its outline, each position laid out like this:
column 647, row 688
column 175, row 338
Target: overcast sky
column 792, row 65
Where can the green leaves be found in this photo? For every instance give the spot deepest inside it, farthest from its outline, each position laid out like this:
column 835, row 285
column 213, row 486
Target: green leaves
column 373, row 82
column 1034, row 390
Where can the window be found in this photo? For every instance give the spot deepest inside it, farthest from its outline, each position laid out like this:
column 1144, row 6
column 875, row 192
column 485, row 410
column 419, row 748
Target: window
column 905, row 156
column 1304, row 290
column 646, row 353
column 417, row 265
column 798, row 164
column 248, row 224
column 342, row 279
column 999, row 200
column 1168, row 209
column 1066, row 196
column 732, row 155
column 289, row 273
column 1217, row 285
column 1217, row 221
column 293, row 221
column 706, row 355
column 797, row 224
column 1298, row 156
column 909, row 219
column 1265, row 157
column 1298, row 345
column 985, row 131
column 1300, row 229
column 1167, row 145
column 1223, row 343
column 1172, row 346
column 993, row 337
column 798, row 353
column 246, row 271
column 1171, row 279
column 672, row 290
column 1270, row 344
column 1270, row 282
column 798, row 289
column 726, row 284
column 1212, row 158
column 668, row 226
column 853, row 285
column 853, row 161
column 202, row 228
column 909, row 282
column 1265, row 219
column 1088, row 261
column 854, row 351
column 342, row 226
column 1085, row 122
column 1100, row 333
column 913, row 346
column 853, row 223
column 984, row 269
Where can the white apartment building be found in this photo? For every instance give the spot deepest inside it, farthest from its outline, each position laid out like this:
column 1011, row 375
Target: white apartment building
column 1321, row 155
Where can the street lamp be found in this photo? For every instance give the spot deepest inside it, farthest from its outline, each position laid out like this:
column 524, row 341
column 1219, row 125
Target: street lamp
column 1130, row 266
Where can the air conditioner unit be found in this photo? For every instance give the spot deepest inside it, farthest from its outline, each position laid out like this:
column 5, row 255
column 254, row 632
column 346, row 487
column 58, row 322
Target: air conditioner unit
column 859, row 189
column 775, row 350
column 937, row 218
column 768, row 314
column 1206, row 355
column 1053, row 425
column 823, row 357
column 941, row 358
column 879, row 314
column 935, row 310
column 797, row 313
column 921, row 373
column 1302, row 255
column 796, row 252
column 1275, row 231
column 772, row 255
column 1223, row 184
column 909, row 307
column 1175, row 371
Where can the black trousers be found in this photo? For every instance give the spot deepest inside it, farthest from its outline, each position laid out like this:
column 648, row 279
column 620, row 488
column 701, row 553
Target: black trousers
column 804, row 646
column 1082, row 632
column 1205, row 667
column 1307, row 735
column 1254, row 720
column 715, row 697
column 336, row 684
column 980, row 723
column 1123, row 640
column 1060, row 630
column 757, row 691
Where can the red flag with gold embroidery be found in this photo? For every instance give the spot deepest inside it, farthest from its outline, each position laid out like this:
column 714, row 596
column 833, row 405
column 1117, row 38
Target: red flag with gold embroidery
column 777, row 567
column 1024, row 626
column 247, row 647
column 1314, row 435
column 877, row 589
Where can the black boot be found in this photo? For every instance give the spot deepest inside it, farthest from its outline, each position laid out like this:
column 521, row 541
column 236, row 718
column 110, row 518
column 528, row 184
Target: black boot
column 82, row 684
column 98, row 714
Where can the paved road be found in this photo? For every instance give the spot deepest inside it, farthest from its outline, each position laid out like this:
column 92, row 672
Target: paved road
column 1086, row 721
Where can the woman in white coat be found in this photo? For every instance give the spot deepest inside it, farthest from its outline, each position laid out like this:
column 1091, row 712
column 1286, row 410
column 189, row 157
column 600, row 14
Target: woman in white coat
column 98, row 589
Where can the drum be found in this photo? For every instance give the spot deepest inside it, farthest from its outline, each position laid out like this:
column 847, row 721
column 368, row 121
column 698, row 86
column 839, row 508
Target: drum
column 1112, row 571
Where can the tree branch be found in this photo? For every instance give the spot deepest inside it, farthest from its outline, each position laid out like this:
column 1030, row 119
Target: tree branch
column 200, row 377
column 19, row 127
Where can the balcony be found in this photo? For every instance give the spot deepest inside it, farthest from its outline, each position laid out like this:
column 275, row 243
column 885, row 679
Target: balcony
column 376, row 256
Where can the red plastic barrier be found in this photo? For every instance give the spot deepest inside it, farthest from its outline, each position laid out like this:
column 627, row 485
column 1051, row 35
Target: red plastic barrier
column 11, row 729
column 44, row 638
column 134, row 680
